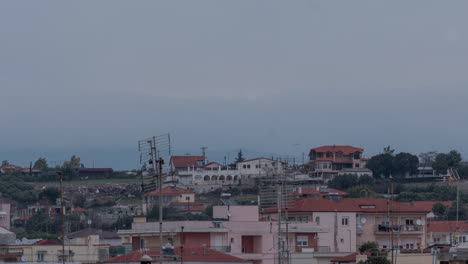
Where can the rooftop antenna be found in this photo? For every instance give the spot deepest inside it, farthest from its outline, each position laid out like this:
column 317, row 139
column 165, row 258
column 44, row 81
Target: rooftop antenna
column 152, row 152
column 275, row 193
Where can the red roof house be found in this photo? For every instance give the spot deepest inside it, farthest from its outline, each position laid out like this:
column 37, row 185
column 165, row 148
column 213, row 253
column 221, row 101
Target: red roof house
column 190, row 255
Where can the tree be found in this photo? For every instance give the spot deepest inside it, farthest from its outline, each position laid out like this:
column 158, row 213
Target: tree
column 343, row 182
column 5, row 163
column 51, row 194
column 240, row 156
column 368, row 246
column 381, row 165
column 426, row 159
column 41, row 164
column 366, row 180
column 405, row 163
column 70, row 168
column 439, row 209
column 440, row 164
column 454, row 158
column 444, row 161
column 388, row 150
column 360, row 192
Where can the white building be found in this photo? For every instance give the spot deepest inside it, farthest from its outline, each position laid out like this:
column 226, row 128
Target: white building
column 259, row 167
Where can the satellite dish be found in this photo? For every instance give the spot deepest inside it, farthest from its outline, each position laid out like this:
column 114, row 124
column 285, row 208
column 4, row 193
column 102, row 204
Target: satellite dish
column 24, row 258
column 363, row 220
column 229, row 213
column 418, row 222
column 90, row 222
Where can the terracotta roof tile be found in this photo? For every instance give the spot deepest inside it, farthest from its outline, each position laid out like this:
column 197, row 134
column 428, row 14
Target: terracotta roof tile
column 186, row 161
column 346, row 150
column 190, row 255
column 46, row 243
column 345, row 259
column 446, row 226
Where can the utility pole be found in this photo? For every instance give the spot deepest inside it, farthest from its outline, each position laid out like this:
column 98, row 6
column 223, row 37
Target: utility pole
column 62, row 214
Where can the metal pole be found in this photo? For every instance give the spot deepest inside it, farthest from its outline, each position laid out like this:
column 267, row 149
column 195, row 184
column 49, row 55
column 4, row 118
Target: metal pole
column 62, row 214
column 278, row 201
column 182, row 246
column 160, row 162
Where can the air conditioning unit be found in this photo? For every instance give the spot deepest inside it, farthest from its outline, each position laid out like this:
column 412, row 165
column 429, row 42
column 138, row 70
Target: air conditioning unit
column 308, row 250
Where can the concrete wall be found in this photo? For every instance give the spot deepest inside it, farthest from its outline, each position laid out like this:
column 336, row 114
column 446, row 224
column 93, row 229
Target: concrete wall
column 238, row 213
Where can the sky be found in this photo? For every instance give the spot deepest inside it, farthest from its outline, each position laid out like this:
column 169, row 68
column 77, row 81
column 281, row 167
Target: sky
column 274, row 78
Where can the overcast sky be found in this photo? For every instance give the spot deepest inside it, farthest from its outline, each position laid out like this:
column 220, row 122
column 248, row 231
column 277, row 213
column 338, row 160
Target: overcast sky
column 271, row 77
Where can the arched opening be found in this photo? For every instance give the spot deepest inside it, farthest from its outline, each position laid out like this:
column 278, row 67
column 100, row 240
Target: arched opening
column 222, row 178
column 206, row 178
column 235, row 178
column 229, row 178
column 214, row 178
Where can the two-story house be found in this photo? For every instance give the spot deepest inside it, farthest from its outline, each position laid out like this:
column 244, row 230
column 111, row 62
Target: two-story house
column 327, row 161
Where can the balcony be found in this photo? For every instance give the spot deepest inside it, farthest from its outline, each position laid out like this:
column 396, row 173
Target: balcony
column 11, row 251
column 401, row 229
column 224, row 249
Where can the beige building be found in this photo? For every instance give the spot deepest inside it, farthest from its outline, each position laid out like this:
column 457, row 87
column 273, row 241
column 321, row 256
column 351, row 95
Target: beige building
column 83, row 250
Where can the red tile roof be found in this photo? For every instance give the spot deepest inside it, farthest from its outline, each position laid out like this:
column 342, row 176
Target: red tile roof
column 363, row 205
column 186, row 161
column 446, row 226
column 346, row 150
column 331, row 191
column 346, row 259
column 79, row 210
column 46, row 243
column 201, row 255
column 194, row 208
column 170, row 191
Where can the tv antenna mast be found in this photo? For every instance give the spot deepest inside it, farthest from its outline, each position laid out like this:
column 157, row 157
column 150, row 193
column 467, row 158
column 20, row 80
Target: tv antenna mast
column 275, row 192
column 152, row 152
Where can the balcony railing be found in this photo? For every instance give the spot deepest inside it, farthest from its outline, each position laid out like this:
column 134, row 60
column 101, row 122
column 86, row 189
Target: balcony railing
column 224, row 249
column 398, row 228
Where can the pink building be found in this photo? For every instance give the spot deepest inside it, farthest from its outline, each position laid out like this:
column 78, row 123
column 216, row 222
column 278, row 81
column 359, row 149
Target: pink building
column 237, row 231
column 354, row 221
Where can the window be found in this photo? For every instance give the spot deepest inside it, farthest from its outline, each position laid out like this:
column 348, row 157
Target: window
column 342, row 240
column 232, row 240
column 302, row 241
column 248, row 166
column 339, row 154
column 187, row 198
column 409, row 246
column 356, row 165
column 409, row 222
column 40, row 255
column 142, row 243
column 257, row 166
column 317, row 220
column 344, row 220
column 244, row 166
